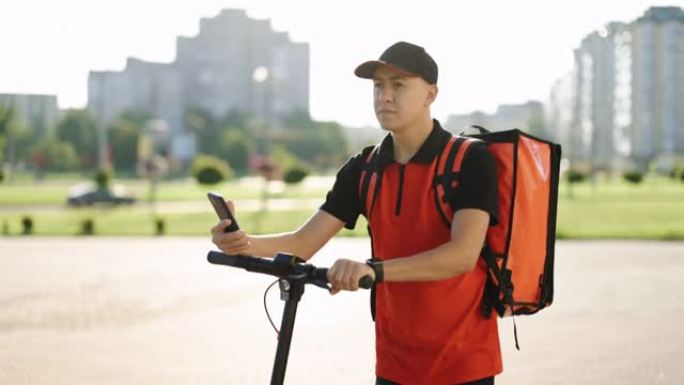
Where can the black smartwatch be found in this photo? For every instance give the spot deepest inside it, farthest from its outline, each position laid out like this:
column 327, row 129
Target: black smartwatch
column 377, row 269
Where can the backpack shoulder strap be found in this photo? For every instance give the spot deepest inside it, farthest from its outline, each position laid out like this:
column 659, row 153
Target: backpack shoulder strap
column 369, row 181
column 447, row 170
column 369, row 185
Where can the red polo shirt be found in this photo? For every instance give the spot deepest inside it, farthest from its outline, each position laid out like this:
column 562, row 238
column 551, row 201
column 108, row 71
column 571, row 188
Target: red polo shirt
column 426, row 332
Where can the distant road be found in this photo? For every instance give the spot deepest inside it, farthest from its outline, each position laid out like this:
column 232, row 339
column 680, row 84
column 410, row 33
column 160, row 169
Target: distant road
column 153, row 311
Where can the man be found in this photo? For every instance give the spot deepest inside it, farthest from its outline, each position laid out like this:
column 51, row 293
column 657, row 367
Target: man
column 429, row 277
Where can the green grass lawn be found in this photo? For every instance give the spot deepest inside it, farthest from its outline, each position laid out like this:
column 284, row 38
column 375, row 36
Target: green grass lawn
column 615, row 210
column 141, row 222
column 652, row 210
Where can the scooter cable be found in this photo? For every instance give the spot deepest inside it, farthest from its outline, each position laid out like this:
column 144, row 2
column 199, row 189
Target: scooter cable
column 266, row 307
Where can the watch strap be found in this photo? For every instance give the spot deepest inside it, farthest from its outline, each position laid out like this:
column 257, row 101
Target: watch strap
column 377, row 269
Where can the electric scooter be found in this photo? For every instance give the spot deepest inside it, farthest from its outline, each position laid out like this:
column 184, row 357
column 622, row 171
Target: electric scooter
column 293, row 274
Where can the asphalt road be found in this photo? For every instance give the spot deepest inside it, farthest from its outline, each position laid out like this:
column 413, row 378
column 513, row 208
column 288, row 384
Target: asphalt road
column 153, row 311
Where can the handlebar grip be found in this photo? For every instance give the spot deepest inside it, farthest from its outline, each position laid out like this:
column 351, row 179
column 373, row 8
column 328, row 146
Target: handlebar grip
column 366, row 282
column 248, row 263
column 218, row 258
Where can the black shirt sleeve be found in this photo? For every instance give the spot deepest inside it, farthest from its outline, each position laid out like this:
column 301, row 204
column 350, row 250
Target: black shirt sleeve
column 342, row 200
column 477, row 183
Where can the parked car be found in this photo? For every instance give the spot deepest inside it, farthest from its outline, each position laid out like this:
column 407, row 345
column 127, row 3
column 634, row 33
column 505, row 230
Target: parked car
column 88, row 194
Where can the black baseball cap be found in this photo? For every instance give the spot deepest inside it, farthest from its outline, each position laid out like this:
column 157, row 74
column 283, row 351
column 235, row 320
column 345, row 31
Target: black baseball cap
column 405, row 58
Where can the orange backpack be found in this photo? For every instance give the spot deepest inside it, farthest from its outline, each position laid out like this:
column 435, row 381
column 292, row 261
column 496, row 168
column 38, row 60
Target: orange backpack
column 519, row 250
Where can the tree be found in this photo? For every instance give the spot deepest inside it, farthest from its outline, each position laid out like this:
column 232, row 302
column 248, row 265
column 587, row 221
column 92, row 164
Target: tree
column 54, row 155
column 79, row 128
column 236, row 148
column 3, row 140
column 235, row 119
column 333, row 144
column 4, row 123
column 322, row 144
column 537, row 126
column 202, row 124
column 124, row 136
column 226, row 137
column 14, row 136
column 284, row 158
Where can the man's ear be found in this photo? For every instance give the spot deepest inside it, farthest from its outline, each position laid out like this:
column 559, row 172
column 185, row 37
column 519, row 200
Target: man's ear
column 432, row 94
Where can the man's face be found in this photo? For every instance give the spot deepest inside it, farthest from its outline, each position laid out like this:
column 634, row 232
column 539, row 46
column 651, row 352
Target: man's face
column 400, row 100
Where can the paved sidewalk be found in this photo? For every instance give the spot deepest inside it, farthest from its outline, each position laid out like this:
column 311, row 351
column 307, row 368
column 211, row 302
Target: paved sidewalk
column 153, row 311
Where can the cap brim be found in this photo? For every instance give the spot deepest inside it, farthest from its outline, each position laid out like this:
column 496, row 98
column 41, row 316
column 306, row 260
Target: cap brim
column 367, row 70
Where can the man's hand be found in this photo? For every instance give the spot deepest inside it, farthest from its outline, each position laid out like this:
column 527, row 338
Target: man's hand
column 345, row 275
column 236, row 242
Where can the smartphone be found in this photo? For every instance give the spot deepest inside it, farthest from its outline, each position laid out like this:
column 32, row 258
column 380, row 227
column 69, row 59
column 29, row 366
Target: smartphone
column 222, row 211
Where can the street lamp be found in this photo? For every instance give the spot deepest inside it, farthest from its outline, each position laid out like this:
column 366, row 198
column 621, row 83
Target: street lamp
column 260, row 77
column 151, row 163
column 260, row 74
column 97, row 90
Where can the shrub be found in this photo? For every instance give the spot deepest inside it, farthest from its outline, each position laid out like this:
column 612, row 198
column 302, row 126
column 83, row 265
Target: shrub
column 103, row 178
column 87, row 227
column 677, row 170
column 295, row 175
column 210, row 170
column 27, row 225
column 575, row 175
column 160, row 226
column 633, row 176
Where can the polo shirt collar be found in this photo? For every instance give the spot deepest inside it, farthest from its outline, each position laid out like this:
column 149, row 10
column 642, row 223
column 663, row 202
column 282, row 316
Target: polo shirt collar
column 428, row 151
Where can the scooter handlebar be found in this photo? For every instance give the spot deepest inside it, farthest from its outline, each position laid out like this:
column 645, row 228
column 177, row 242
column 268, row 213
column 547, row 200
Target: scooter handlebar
column 277, row 268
